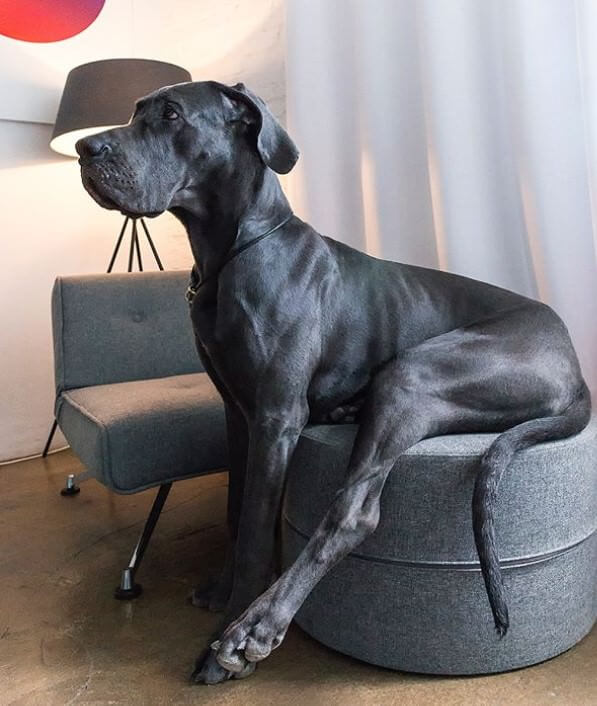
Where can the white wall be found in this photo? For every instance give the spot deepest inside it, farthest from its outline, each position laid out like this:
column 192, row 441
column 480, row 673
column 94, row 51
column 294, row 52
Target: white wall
column 48, row 224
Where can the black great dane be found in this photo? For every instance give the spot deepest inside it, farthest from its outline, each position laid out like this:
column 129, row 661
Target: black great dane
column 294, row 327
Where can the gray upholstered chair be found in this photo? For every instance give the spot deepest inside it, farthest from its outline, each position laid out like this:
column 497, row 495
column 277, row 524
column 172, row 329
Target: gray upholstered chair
column 131, row 396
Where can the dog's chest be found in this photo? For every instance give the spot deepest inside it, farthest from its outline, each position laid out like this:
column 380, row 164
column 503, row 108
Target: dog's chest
column 243, row 340
column 254, row 343
column 216, row 339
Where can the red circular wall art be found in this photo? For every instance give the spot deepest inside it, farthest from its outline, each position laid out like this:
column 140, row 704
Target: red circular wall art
column 47, row 20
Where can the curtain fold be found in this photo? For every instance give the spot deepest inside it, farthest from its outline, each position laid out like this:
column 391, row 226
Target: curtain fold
column 454, row 134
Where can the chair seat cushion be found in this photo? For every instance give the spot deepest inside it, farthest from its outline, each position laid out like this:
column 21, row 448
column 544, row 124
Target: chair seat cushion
column 134, row 435
column 411, row 596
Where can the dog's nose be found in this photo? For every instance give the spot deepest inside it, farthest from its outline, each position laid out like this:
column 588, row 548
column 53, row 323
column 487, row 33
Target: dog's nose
column 93, row 147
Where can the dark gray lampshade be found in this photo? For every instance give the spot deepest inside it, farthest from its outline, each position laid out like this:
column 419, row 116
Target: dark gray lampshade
column 102, row 94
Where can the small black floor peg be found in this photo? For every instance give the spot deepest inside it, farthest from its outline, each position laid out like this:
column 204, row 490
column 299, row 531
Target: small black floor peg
column 71, row 487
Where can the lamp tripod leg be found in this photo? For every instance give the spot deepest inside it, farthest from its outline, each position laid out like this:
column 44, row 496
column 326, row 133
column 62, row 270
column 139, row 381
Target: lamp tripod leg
column 132, row 249
column 153, row 249
column 137, row 246
column 118, row 242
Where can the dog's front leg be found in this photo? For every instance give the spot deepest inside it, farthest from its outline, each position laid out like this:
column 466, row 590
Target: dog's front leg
column 216, row 594
column 272, row 440
column 393, row 419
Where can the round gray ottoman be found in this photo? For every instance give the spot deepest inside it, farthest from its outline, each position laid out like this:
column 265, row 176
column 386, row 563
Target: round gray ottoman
column 411, row 596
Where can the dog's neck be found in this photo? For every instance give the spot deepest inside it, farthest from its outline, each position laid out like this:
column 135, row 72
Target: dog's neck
column 229, row 214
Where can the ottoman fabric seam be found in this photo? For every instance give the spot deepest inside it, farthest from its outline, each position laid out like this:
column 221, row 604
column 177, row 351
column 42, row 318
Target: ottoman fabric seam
column 515, row 563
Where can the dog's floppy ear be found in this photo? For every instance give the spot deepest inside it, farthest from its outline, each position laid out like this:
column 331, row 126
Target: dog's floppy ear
column 275, row 147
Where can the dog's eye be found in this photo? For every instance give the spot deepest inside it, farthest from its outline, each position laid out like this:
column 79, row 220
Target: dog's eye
column 170, row 112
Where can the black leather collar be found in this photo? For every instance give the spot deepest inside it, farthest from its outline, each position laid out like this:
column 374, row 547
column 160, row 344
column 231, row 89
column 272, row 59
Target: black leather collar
column 195, row 284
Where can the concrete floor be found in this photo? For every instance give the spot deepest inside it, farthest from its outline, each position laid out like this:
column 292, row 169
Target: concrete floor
column 65, row 640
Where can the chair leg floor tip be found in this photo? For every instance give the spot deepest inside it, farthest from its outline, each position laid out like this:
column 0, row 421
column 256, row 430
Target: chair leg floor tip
column 128, row 594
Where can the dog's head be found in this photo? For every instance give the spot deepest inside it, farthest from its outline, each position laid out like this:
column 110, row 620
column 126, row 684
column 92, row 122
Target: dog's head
column 182, row 142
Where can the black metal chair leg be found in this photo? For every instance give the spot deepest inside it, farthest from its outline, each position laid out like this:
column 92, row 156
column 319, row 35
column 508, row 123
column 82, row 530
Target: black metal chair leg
column 50, row 437
column 128, row 589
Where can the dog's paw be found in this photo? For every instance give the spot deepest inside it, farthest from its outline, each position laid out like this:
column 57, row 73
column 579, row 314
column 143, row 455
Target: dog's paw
column 251, row 638
column 209, row 671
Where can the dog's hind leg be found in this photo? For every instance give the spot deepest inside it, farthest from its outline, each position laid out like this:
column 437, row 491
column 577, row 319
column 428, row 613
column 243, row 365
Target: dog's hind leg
column 490, row 376
column 394, row 418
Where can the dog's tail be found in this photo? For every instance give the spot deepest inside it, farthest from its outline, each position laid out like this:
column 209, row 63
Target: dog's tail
column 494, row 462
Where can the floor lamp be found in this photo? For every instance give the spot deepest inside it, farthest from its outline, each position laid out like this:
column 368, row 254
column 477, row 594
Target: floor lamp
column 98, row 96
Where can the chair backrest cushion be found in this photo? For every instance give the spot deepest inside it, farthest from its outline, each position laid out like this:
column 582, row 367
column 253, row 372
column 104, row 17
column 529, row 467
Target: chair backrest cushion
column 116, row 327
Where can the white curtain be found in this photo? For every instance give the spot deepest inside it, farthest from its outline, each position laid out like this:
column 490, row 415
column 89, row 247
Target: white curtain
column 459, row 134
